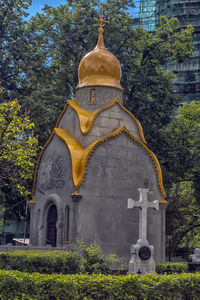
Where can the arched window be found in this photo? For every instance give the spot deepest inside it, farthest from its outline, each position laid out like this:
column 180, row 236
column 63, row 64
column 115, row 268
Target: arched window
column 67, row 216
column 51, row 226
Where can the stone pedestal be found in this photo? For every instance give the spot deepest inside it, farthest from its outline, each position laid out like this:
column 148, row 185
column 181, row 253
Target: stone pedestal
column 194, row 266
column 142, row 260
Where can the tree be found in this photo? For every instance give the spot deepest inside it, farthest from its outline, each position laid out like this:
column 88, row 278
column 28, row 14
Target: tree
column 18, row 149
column 14, row 53
column 59, row 37
column 185, row 144
column 183, row 217
column 184, row 168
column 53, row 43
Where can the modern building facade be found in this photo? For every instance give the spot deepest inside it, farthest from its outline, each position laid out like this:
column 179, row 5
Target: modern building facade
column 148, row 14
column 187, row 84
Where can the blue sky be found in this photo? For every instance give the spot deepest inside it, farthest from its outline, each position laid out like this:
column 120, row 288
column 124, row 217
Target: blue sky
column 37, row 5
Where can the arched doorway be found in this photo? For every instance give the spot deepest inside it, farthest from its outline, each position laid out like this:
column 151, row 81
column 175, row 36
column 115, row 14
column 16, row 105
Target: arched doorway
column 51, row 226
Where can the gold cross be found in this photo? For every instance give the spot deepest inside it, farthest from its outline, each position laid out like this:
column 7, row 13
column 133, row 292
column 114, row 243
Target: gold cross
column 101, row 19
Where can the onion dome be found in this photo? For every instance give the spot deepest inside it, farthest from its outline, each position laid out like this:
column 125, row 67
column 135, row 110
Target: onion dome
column 99, row 67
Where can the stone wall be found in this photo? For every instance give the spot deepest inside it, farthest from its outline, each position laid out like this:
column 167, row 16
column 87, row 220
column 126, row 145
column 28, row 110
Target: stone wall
column 116, row 170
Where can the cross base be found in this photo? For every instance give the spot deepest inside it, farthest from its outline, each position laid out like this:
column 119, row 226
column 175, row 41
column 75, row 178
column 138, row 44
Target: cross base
column 142, row 260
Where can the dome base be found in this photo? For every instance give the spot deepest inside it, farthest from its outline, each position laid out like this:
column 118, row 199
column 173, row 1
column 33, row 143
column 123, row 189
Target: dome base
column 93, row 97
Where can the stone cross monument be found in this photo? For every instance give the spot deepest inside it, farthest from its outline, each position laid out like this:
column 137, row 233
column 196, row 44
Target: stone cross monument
column 142, row 260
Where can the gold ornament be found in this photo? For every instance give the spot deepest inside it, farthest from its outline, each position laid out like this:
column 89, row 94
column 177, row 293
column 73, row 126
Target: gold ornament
column 100, row 66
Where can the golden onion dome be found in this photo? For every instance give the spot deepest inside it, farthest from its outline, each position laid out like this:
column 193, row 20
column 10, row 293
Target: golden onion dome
column 99, row 67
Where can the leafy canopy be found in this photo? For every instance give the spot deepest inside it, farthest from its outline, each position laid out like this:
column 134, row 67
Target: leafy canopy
column 39, row 62
column 43, row 65
column 18, row 149
column 14, row 49
column 184, row 208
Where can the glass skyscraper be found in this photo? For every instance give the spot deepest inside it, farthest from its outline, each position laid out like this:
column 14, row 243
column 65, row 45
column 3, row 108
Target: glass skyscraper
column 188, row 12
column 148, row 14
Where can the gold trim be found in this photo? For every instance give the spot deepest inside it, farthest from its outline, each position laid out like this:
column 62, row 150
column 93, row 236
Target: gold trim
column 86, row 118
column 62, row 113
column 42, row 151
column 80, row 156
column 75, row 150
column 31, row 201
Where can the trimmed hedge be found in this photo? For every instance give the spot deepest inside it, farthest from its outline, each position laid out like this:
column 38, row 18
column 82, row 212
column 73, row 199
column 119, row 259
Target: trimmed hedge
column 171, row 267
column 16, row 285
column 83, row 259
column 41, row 261
column 68, row 262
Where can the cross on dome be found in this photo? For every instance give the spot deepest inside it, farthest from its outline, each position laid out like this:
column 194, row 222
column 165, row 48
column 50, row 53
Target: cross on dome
column 101, row 19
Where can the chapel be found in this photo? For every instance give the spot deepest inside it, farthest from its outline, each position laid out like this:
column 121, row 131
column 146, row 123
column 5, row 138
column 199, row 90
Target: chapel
column 95, row 159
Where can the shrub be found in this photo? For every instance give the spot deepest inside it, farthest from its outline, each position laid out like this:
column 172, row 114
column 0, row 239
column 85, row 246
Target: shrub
column 41, row 261
column 81, row 260
column 17, row 285
column 171, row 267
column 92, row 258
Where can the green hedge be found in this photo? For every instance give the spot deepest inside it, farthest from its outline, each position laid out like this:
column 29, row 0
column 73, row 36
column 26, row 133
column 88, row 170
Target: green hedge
column 83, row 259
column 16, row 285
column 41, row 261
column 171, row 267
column 89, row 261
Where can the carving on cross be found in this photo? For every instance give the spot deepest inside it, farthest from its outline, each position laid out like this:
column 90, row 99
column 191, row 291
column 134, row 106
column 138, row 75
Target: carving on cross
column 143, row 204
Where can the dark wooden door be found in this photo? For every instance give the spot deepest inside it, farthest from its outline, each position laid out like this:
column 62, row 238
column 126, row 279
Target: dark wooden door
column 51, row 226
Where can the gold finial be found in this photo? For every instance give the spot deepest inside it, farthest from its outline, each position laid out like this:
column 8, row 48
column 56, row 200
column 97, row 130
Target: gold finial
column 100, row 43
column 101, row 19
column 99, row 67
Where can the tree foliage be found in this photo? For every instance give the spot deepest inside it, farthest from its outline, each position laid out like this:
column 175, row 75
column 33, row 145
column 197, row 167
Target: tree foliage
column 185, row 143
column 18, row 149
column 14, row 53
column 39, row 65
column 57, row 39
column 183, row 217
column 184, row 169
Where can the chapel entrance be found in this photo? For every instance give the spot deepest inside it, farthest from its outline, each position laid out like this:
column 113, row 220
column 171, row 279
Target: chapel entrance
column 51, row 226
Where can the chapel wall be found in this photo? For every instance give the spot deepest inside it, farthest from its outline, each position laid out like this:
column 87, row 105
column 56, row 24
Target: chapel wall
column 53, row 186
column 111, row 119
column 104, row 123
column 103, row 96
column 117, row 168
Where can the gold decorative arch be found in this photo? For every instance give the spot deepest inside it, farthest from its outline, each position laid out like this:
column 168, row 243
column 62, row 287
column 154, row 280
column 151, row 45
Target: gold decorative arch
column 80, row 156
column 86, row 118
